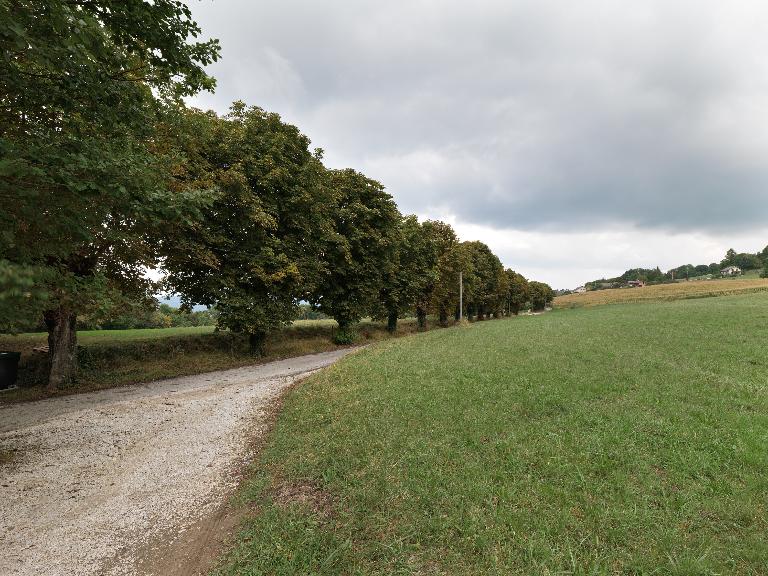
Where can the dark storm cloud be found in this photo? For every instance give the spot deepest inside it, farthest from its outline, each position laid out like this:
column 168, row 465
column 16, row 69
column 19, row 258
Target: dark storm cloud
column 527, row 115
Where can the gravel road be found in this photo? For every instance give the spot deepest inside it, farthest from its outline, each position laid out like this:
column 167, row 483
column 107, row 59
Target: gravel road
column 100, row 476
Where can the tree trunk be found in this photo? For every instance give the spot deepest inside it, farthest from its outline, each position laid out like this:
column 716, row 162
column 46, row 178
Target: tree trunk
column 62, row 347
column 443, row 316
column 392, row 321
column 256, row 342
column 421, row 317
column 344, row 335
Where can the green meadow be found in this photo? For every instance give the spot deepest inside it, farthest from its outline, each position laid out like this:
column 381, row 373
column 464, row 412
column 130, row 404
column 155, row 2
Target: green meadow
column 624, row 439
column 109, row 358
column 89, row 337
column 86, row 337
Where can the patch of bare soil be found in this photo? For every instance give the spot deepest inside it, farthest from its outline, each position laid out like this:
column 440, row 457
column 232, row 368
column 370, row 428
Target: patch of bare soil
column 305, row 494
column 196, row 550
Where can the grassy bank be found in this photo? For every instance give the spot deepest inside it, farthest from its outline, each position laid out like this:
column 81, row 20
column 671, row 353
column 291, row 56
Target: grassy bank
column 665, row 292
column 109, row 358
column 615, row 440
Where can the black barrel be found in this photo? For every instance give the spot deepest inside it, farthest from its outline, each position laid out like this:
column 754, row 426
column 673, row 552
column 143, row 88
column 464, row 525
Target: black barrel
column 9, row 368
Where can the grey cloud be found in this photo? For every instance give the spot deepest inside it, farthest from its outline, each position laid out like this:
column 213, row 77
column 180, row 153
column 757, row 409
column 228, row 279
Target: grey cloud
column 528, row 115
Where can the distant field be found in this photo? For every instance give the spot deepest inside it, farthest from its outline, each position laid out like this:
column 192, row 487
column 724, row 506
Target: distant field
column 661, row 292
column 86, row 337
column 116, row 357
column 29, row 340
column 624, row 439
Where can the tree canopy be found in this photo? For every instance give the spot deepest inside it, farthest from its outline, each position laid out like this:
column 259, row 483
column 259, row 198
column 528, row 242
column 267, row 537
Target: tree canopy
column 82, row 85
column 411, row 279
column 360, row 245
column 254, row 252
column 107, row 174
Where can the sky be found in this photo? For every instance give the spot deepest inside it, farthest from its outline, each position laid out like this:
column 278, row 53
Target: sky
column 576, row 139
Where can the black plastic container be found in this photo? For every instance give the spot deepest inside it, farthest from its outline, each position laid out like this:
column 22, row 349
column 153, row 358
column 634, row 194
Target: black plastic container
column 9, row 368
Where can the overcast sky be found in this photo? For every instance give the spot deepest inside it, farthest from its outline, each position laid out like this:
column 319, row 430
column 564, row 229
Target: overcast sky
column 577, row 139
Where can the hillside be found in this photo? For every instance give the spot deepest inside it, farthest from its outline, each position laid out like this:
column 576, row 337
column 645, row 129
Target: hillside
column 662, row 292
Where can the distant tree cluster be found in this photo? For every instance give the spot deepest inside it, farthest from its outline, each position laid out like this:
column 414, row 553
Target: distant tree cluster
column 140, row 314
column 282, row 229
column 164, row 316
column 105, row 173
column 744, row 260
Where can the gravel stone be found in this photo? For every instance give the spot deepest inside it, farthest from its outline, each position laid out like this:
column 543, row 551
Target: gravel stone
column 103, row 474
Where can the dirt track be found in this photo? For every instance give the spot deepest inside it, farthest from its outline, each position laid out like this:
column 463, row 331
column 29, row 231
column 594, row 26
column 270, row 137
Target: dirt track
column 101, row 478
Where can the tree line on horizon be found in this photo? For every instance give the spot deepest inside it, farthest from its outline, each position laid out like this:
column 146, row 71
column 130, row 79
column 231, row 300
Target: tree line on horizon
column 105, row 174
column 742, row 260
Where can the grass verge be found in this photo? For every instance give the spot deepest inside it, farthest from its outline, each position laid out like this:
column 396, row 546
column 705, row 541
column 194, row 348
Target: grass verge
column 109, row 358
column 616, row 440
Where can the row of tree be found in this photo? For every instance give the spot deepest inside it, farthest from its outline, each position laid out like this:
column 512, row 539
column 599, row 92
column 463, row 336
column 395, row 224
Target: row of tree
column 282, row 229
column 106, row 174
column 742, row 260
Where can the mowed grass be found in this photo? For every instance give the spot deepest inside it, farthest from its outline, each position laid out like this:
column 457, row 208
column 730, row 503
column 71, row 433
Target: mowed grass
column 664, row 292
column 616, row 440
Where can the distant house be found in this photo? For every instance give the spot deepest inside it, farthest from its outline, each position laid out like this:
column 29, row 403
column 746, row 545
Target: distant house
column 635, row 283
column 731, row 271
column 580, row 290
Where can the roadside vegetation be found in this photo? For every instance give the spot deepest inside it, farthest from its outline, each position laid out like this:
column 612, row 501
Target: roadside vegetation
column 674, row 291
column 622, row 439
column 236, row 211
column 110, row 358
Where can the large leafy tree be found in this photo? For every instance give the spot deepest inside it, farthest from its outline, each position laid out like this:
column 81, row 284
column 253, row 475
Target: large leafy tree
column 399, row 274
column 85, row 193
column 410, row 282
column 499, row 301
column 518, row 292
column 541, row 295
column 488, row 273
column 452, row 265
column 358, row 250
column 439, row 239
column 255, row 253
column 763, row 254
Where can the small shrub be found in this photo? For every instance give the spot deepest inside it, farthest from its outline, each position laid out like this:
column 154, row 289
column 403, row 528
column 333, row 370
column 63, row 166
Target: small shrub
column 344, row 337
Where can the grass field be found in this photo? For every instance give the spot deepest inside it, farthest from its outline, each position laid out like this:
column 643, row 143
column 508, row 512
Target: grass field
column 677, row 291
column 614, row 440
column 109, row 358
column 88, row 337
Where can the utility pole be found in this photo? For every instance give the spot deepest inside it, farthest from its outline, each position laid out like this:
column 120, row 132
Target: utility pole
column 461, row 298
